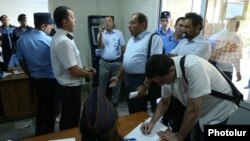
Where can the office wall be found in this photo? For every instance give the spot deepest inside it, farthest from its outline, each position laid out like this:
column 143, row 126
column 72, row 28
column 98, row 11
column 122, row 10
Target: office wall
column 12, row 8
column 121, row 10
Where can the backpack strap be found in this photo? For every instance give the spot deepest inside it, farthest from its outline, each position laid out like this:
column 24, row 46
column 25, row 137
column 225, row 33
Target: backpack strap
column 182, row 62
column 214, row 93
column 150, row 44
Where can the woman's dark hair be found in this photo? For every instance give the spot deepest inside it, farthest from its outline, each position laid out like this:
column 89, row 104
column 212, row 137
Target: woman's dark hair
column 60, row 13
column 158, row 65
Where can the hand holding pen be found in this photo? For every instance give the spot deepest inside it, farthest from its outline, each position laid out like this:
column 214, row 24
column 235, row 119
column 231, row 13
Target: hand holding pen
column 147, row 127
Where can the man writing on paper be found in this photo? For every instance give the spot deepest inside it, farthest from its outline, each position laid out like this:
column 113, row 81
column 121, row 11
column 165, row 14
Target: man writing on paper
column 201, row 107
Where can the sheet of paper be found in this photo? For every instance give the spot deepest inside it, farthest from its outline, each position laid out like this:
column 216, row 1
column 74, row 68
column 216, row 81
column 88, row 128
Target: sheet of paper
column 6, row 74
column 137, row 134
column 67, row 139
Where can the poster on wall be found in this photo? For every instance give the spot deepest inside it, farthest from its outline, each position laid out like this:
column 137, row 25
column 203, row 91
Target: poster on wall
column 94, row 21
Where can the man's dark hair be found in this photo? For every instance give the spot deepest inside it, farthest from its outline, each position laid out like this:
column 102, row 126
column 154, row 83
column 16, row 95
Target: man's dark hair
column 21, row 17
column 180, row 18
column 60, row 13
column 195, row 18
column 1, row 18
column 158, row 65
column 141, row 18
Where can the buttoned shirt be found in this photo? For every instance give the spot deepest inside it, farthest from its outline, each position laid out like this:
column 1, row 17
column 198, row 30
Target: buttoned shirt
column 164, row 35
column 34, row 48
column 64, row 55
column 135, row 55
column 171, row 43
column 226, row 50
column 202, row 78
column 197, row 46
column 112, row 43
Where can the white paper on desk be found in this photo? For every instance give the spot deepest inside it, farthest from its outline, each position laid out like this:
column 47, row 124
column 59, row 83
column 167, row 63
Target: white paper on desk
column 137, row 133
column 6, row 74
column 68, row 139
column 18, row 72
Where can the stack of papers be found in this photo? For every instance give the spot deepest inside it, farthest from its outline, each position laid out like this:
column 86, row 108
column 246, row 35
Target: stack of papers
column 139, row 136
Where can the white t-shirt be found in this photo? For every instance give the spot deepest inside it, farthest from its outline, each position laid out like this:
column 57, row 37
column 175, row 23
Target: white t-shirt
column 202, row 78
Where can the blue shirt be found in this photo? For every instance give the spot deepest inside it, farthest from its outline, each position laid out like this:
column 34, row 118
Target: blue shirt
column 164, row 35
column 170, row 43
column 112, row 43
column 135, row 56
column 34, row 48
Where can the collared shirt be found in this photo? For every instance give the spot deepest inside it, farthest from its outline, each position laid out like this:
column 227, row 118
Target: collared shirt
column 112, row 43
column 65, row 54
column 202, row 78
column 19, row 31
column 34, row 48
column 171, row 43
column 135, row 55
column 226, row 50
column 197, row 46
column 164, row 35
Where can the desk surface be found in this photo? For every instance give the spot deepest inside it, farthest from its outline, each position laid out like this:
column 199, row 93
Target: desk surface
column 125, row 125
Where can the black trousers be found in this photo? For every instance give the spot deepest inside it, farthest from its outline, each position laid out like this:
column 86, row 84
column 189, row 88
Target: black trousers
column 131, row 84
column 46, row 105
column 70, row 98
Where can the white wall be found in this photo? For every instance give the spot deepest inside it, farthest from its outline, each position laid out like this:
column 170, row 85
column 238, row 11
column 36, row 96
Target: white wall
column 12, row 8
column 121, row 10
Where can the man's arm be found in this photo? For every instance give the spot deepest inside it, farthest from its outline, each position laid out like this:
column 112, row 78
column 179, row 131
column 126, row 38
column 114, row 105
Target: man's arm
column 114, row 79
column 161, row 109
column 24, row 67
column 80, row 72
column 191, row 117
column 99, row 38
column 146, row 128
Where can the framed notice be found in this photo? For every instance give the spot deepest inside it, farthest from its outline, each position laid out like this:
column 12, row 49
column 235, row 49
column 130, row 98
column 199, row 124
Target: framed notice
column 235, row 8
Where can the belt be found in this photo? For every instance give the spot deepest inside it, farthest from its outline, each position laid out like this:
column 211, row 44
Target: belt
column 112, row 61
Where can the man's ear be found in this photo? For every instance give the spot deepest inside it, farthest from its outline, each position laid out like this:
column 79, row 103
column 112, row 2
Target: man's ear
column 64, row 22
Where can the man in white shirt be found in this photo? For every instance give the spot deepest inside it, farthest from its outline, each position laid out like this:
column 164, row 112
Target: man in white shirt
column 201, row 107
column 194, row 42
column 67, row 66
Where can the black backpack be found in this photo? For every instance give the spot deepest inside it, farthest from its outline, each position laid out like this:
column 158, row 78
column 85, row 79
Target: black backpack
column 237, row 95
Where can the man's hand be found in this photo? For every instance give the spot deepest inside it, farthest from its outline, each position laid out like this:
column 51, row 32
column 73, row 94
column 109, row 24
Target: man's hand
column 113, row 81
column 146, row 128
column 167, row 135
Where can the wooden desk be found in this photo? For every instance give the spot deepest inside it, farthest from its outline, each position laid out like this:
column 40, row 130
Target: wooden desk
column 125, row 125
column 16, row 101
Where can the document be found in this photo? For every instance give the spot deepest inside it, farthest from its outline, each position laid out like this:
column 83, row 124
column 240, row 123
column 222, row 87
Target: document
column 139, row 136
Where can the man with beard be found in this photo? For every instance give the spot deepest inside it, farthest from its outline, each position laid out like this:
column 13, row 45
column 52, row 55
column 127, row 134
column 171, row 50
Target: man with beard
column 194, row 43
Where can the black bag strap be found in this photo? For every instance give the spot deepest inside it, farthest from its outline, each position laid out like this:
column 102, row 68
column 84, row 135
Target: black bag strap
column 150, row 44
column 182, row 62
column 214, row 93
